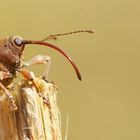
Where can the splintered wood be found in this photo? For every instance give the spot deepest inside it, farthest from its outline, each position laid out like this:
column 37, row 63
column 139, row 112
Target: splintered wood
column 37, row 116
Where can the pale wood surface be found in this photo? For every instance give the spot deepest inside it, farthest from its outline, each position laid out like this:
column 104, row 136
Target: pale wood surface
column 34, row 119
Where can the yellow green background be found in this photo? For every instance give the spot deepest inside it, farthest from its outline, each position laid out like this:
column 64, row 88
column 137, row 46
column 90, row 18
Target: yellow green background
column 106, row 104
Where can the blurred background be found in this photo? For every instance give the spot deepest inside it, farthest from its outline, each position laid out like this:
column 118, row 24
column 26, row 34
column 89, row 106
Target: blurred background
column 105, row 105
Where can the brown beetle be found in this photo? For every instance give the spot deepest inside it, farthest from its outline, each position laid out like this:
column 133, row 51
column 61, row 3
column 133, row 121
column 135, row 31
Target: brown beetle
column 11, row 62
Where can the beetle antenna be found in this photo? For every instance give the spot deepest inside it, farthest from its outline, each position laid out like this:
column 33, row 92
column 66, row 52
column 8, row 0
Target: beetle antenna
column 68, row 33
column 59, row 50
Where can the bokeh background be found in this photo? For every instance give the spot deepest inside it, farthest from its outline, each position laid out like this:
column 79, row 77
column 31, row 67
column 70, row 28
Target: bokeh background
column 106, row 104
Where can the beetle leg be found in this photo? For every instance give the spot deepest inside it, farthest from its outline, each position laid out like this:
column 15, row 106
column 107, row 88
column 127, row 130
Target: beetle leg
column 40, row 59
column 5, row 75
column 30, row 77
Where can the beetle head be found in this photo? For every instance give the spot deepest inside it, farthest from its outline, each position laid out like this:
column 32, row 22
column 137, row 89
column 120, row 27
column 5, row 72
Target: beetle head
column 16, row 43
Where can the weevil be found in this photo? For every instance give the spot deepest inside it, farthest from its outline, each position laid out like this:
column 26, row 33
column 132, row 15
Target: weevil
column 11, row 63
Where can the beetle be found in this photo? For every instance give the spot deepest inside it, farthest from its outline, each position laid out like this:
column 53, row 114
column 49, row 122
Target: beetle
column 11, row 63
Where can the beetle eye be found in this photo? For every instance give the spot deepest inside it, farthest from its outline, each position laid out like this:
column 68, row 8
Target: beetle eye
column 18, row 41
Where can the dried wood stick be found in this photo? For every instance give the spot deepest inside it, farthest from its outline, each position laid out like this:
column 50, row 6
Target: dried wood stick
column 37, row 116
